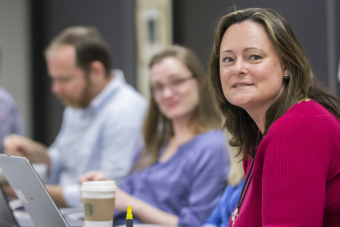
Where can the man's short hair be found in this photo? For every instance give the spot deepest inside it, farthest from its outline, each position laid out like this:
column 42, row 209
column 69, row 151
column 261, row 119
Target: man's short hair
column 89, row 46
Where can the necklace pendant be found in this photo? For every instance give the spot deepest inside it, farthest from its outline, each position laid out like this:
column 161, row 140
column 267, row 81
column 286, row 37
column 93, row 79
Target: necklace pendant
column 234, row 216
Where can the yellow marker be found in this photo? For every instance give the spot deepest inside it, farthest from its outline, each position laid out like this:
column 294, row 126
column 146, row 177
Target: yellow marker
column 129, row 217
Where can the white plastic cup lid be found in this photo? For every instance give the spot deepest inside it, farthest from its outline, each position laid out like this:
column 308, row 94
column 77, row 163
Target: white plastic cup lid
column 99, row 186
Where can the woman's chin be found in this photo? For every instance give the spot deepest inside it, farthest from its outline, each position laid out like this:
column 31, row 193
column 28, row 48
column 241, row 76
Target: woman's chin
column 177, row 115
column 240, row 103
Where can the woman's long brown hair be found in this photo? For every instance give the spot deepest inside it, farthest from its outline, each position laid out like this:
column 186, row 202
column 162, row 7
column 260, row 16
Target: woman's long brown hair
column 302, row 83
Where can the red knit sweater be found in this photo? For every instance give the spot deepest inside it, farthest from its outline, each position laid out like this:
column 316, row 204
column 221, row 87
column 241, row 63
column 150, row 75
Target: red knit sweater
column 296, row 176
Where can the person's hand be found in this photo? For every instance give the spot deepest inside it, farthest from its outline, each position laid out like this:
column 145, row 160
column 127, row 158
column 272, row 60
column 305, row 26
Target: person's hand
column 21, row 146
column 8, row 190
column 95, row 175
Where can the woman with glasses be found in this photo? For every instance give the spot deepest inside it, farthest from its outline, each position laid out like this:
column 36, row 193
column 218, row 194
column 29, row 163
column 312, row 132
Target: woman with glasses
column 178, row 176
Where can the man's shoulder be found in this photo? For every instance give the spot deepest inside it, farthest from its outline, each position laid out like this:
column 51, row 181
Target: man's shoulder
column 125, row 106
column 127, row 92
column 126, row 99
column 124, row 91
column 6, row 99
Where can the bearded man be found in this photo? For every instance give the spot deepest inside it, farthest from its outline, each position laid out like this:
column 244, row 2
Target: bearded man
column 102, row 121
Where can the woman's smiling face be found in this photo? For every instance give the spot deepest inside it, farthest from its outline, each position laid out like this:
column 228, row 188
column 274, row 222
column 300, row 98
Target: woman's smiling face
column 250, row 69
column 180, row 91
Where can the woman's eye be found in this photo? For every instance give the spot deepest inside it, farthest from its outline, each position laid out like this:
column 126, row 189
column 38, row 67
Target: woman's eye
column 157, row 88
column 228, row 59
column 255, row 57
column 176, row 82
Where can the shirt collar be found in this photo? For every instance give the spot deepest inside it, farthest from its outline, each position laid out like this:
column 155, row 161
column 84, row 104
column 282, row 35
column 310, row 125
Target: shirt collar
column 112, row 87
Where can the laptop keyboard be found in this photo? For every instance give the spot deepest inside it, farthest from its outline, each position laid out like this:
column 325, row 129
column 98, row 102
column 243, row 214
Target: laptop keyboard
column 27, row 221
column 24, row 222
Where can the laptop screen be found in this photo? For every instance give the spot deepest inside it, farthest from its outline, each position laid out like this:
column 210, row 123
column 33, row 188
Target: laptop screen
column 31, row 191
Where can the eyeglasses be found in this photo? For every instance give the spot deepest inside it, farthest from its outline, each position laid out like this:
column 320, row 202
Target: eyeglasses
column 173, row 85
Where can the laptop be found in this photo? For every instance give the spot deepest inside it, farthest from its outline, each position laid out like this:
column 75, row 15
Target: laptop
column 31, row 191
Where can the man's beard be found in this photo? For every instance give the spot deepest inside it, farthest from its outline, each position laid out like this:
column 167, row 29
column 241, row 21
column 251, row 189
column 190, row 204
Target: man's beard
column 82, row 102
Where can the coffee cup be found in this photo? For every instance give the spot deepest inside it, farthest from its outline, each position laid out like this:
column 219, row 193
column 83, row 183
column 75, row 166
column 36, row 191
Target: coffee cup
column 98, row 202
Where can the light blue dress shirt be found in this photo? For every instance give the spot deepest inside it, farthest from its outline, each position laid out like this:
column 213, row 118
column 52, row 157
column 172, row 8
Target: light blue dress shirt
column 104, row 136
column 10, row 119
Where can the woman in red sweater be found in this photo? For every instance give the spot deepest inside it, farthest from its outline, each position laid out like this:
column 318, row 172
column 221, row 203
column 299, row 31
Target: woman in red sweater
column 284, row 123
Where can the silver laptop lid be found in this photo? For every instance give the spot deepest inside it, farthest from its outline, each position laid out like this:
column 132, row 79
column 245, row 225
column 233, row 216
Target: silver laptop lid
column 31, row 191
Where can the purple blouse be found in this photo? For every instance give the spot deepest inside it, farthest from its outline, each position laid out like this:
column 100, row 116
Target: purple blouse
column 188, row 185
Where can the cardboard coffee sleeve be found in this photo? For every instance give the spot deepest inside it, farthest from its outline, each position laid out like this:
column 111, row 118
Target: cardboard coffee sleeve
column 96, row 209
column 98, row 202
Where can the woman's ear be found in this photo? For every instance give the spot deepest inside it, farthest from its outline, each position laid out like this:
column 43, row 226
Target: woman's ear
column 286, row 69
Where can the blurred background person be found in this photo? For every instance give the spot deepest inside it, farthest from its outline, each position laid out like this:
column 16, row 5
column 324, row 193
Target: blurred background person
column 221, row 214
column 10, row 119
column 102, row 122
column 283, row 122
column 179, row 175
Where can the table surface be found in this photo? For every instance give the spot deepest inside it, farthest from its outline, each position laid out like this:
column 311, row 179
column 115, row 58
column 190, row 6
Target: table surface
column 144, row 225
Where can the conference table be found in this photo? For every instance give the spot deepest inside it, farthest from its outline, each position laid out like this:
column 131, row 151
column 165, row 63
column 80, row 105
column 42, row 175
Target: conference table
column 144, row 225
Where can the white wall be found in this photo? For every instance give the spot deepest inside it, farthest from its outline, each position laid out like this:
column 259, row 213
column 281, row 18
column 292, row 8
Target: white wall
column 15, row 63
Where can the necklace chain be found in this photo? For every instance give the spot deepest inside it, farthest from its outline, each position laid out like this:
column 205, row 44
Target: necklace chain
column 244, row 191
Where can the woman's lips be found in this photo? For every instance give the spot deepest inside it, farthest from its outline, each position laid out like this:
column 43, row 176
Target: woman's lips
column 237, row 85
column 171, row 104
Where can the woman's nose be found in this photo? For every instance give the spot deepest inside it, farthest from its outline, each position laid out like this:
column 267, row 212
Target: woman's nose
column 167, row 91
column 239, row 67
